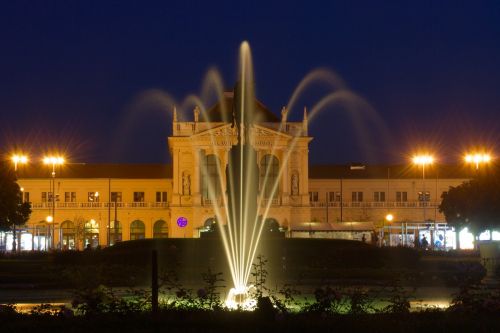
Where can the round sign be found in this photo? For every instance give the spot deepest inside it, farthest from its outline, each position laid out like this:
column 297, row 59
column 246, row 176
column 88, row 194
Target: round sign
column 182, row 222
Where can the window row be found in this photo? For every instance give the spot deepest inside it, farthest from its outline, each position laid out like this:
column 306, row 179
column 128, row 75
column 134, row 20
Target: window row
column 378, row 196
column 160, row 196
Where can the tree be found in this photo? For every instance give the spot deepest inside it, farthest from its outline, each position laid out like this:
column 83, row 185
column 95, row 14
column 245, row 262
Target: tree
column 13, row 211
column 474, row 204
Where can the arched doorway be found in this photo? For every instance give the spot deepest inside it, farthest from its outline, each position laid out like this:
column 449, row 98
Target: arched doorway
column 115, row 232
column 91, row 234
column 137, row 230
column 160, row 229
column 272, row 225
column 68, row 235
column 41, row 237
column 210, row 224
column 269, row 170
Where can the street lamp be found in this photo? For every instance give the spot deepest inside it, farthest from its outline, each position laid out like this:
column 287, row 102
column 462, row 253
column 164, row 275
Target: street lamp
column 53, row 161
column 388, row 218
column 18, row 159
column 423, row 160
column 477, row 158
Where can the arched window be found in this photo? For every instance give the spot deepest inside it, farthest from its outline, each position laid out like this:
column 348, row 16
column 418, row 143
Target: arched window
column 211, row 189
column 160, row 229
column 68, row 234
column 269, row 170
column 137, row 230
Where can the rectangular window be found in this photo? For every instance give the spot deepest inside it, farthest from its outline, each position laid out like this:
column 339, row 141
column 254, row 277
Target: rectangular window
column 424, row 196
column 357, row 196
column 93, row 196
column 46, row 196
column 161, row 196
column 379, row 196
column 401, row 196
column 116, row 196
column 26, row 196
column 69, row 196
column 138, row 196
column 313, row 197
column 333, row 196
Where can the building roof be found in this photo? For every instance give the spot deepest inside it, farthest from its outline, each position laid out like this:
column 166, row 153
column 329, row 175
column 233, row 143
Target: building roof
column 219, row 114
column 83, row 170
column 164, row 171
column 357, row 171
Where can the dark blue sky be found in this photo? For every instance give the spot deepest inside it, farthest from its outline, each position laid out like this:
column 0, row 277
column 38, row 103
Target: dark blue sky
column 70, row 70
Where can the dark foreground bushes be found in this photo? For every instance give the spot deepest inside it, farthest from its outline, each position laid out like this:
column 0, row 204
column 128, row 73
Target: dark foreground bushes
column 237, row 321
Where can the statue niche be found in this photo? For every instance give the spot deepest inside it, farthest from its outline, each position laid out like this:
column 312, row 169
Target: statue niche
column 186, row 183
column 295, row 184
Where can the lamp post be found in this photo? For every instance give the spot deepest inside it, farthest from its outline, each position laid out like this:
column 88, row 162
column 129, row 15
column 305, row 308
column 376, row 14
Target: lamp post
column 388, row 218
column 53, row 161
column 16, row 160
column 424, row 160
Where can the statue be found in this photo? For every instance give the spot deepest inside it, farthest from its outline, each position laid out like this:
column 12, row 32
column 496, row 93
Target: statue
column 284, row 114
column 295, row 184
column 186, row 184
column 196, row 114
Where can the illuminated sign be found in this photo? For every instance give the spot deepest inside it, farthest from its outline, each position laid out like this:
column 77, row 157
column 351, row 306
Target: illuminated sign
column 182, row 222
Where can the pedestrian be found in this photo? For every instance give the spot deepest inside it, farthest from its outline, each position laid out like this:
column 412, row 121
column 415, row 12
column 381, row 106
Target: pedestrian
column 424, row 242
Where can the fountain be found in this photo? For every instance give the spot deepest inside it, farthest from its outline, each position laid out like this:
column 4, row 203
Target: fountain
column 244, row 208
column 242, row 184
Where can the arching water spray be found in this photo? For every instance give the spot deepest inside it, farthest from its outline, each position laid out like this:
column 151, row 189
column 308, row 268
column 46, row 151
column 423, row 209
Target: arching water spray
column 241, row 211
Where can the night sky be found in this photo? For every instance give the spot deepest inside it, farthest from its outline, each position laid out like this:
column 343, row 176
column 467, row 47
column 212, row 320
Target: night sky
column 71, row 73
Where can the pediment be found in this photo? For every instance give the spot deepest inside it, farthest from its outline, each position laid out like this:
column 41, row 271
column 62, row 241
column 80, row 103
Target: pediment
column 262, row 131
column 220, row 131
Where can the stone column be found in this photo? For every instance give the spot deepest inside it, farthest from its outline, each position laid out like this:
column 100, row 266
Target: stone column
column 285, row 178
column 304, row 177
column 196, row 179
column 175, row 198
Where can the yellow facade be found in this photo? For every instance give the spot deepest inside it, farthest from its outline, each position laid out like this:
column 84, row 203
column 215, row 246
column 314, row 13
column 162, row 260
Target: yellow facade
column 152, row 195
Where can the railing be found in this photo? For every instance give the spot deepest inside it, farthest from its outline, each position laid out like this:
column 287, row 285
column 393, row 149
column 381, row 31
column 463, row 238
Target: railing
column 274, row 202
column 93, row 205
column 212, row 202
column 368, row 204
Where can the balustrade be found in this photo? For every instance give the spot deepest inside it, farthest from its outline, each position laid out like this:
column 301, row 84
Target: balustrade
column 94, row 205
column 376, row 204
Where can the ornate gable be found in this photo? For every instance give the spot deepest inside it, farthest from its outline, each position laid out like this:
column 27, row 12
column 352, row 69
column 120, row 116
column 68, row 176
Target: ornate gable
column 261, row 131
column 224, row 135
column 224, row 130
